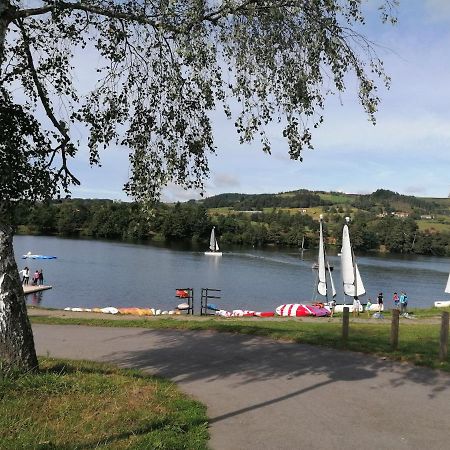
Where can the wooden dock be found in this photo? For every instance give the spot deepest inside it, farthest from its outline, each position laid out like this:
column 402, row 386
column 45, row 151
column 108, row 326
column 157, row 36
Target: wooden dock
column 29, row 288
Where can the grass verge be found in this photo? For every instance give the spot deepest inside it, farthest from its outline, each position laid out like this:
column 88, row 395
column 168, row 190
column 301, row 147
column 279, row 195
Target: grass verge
column 80, row 405
column 418, row 342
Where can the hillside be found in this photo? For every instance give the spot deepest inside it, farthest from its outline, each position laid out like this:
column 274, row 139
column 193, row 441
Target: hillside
column 382, row 221
column 379, row 201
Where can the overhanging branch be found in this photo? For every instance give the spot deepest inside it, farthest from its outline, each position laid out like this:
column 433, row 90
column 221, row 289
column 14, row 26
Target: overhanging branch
column 43, row 96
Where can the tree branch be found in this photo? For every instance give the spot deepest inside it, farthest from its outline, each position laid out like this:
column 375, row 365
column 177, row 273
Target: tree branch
column 59, row 125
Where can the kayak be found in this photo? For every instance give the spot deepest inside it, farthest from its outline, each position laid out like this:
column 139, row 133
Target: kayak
column 30, row 256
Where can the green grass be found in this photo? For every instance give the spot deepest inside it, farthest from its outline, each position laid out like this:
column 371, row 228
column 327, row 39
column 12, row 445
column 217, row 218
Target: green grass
column 425, row 224
column 418, row 341
column 337, row 199
column 73, row 404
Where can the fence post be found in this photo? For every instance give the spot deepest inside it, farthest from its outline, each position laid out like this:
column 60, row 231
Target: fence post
column 345, row 322
column 394, row 328
column 443, row 348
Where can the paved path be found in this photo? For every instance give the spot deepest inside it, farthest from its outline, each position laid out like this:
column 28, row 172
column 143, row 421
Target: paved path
column 263, row 394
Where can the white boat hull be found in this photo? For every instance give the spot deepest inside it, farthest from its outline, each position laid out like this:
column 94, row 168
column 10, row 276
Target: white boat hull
column 442, row 304
column 340, row 308
column 213, row 253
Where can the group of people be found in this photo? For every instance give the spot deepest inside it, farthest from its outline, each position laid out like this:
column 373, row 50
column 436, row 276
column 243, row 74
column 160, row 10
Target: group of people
column 400, row 303
column 38, row 277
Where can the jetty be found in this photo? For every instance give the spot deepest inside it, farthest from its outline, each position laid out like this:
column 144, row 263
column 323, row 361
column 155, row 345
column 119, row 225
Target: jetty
column 30, row 289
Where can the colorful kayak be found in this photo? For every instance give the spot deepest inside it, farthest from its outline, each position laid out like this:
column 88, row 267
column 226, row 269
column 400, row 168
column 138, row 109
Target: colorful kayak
column 30, row 256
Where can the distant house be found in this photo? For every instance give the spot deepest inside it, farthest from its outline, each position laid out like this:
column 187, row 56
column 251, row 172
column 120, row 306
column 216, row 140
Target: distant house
column 400, row 214
column 426, row 216
column 383, row 214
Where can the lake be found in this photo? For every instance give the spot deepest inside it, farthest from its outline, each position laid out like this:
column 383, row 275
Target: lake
column 90, row 273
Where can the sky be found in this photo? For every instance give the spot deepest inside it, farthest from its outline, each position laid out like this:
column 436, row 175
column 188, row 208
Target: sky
column 407, row 151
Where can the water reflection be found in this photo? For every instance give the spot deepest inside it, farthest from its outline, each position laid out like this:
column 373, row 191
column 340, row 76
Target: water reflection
column 36, row 298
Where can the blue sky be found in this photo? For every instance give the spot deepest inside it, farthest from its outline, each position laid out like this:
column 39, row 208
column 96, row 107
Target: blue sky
column 408, row 151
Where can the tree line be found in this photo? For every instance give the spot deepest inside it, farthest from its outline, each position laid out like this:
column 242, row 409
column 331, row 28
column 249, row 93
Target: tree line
column 192, row 221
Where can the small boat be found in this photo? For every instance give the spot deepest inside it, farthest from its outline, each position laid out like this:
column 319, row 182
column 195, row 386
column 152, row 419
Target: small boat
column 29, row 255
column 444, row 303
column 351, row 278
column 315, row 266
column 325, row 285
column 213, row 245
column 447, row 288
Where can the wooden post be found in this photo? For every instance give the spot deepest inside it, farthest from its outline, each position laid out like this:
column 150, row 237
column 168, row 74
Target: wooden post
column 345, row 322
column 394, row 328
column 443, row 348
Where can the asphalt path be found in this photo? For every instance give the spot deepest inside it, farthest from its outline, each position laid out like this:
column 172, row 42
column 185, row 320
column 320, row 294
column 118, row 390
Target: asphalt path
column 264, row 394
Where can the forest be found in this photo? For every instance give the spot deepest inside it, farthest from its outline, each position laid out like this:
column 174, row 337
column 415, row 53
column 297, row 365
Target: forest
column 287, row 219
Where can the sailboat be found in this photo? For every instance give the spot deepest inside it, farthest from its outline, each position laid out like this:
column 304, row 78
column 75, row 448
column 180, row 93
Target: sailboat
column 351, row 278
column 213, row 245
column 323, row 267
column 444, row 303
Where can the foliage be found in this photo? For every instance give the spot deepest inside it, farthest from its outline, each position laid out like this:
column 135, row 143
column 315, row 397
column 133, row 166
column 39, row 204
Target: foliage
column 191, row 222
column 163, row 66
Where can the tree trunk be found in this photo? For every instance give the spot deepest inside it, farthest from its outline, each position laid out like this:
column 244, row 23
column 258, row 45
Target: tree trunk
column 16, row 338
column 5, row 19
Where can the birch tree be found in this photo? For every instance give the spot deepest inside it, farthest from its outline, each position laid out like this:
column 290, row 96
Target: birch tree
column 163, row 67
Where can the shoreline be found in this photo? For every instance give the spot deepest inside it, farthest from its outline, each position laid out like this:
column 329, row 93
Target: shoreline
column 34, row 311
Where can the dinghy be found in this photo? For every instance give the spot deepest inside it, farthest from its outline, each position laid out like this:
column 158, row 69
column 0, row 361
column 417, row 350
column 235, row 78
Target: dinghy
column 351, row 278
column 29, row 255
column 213, row 245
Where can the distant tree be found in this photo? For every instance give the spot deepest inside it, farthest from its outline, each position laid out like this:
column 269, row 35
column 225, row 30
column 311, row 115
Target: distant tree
column 164, row 65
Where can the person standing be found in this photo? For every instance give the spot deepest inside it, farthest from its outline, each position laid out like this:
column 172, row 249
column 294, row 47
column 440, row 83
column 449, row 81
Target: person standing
column 35, row 278
column 41, row 277
column 368, row 306
column 396, row 300
column 332, row 306
column 25, row 275
column 380, row 302
column 403, row 303
column 356, row 306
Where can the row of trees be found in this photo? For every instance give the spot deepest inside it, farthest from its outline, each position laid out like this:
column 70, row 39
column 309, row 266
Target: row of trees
column 191, row 222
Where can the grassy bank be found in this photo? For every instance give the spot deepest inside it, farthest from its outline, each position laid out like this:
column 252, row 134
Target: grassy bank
column 418, row 340
column 72, row 405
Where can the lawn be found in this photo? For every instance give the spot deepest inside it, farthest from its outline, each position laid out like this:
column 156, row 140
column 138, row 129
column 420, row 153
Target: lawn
column 73, row 404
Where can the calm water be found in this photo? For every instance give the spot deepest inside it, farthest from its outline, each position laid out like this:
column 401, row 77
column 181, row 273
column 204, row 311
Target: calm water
column 91, row 273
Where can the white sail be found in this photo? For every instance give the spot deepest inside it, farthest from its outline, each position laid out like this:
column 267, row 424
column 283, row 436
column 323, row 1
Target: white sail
column 322, row 281
column 323, row 266
column 333, row 290
column 214, row 247
column 353, row 285
column 447, row 288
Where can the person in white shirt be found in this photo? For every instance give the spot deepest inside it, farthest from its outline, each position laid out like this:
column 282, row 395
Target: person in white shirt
column 356, row 306
column 25, row 275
